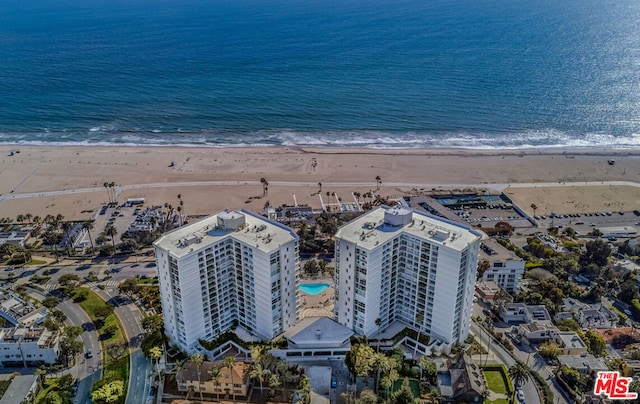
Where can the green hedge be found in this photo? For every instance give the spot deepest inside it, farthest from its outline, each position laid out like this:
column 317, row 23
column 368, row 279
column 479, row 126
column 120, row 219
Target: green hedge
column 544, row 387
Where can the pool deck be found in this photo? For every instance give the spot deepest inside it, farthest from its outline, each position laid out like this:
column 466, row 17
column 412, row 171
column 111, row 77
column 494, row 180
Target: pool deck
column 320, row 305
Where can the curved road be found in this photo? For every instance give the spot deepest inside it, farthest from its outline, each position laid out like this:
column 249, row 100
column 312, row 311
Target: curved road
column 86, row 370
column 89, row 370
column 141, row 367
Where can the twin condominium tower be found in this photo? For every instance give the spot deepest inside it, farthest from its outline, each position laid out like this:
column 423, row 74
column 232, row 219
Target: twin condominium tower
column 392, row 265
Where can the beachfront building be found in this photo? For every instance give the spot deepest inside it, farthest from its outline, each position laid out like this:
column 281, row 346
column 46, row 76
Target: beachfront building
column 232, row 268
column 399, row 265
column 505, row 268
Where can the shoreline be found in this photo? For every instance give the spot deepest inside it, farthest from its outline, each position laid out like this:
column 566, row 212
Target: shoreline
column 69, row 179
column 595, row 150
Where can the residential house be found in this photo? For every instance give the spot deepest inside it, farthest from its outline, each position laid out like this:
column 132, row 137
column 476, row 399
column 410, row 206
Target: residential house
column 505, row 268
column 585, row 363
column 464, row 382
column 230, row 381
column 28, row 347
column 522, row 313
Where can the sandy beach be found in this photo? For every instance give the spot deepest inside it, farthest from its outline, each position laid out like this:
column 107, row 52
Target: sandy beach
column 69, row 180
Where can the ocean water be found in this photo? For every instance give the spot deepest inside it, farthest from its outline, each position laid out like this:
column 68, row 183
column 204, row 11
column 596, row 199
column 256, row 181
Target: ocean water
column 373, row 73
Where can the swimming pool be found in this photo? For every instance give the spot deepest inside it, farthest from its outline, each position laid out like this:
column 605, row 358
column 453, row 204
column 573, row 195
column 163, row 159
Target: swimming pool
column 314, row 289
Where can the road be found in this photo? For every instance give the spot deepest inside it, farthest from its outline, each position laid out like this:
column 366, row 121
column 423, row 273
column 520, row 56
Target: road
column 87, row 370
column 528, row 388
column 141, row 367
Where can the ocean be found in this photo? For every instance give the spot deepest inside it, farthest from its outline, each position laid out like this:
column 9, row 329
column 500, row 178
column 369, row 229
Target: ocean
column 332, row 73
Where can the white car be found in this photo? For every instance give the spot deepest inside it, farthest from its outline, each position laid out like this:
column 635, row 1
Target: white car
column 520, row 396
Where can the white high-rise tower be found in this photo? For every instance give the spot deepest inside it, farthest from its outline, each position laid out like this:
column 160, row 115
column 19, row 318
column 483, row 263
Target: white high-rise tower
column 399, row 265
column 233, row 268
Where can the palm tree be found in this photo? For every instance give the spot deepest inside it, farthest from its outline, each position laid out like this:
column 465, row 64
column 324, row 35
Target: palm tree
column 155, row 353
column 378, row 324
column 106, row 186
column 305, row 388
column 378, row 182
column 88, row 225
column 393, row 376
column 214, row 374
column 229, row 362
column 181, row 207
column 111, row 231
column 264, row 183
column 386, row 384
column 274, row 383
column 519, row 373
column 258, row 351
column 197, row 359
column 534, row 207
column 28, row 217
column 20, row 218
column 66, row 227
column 112, row 185
column 319, row 188
column 259, row 372
column 381, row 364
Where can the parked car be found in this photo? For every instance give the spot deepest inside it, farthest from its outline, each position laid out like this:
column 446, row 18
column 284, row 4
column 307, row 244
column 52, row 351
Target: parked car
column 334, row 382
column 88, row 354
column 520, row 396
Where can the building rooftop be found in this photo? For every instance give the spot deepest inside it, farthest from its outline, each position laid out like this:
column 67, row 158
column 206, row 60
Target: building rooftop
column 381, row 225
column 245, row 226
column 538, row 313
column 534, row 327
column 18, row 389
column 585, row 362
column 320, row 331
column 487, row 289
column 491, row 250
column 18, row 312
column 622, row 230
column 571, row 340
column 44, row 337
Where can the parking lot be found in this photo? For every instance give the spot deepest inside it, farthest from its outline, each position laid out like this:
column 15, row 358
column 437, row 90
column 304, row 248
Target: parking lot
column 584, row 223
column 120, row 217
column 488, row 215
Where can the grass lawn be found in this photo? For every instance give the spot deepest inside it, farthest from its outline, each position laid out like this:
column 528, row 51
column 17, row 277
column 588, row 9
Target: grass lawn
column 413, row 384
column 89, row 305
column 495, row 381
